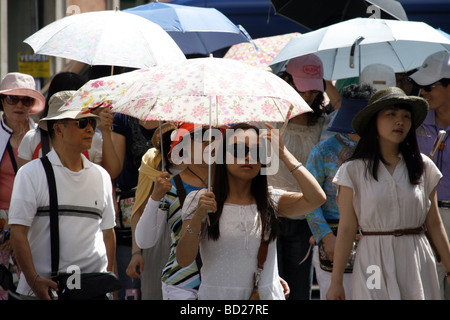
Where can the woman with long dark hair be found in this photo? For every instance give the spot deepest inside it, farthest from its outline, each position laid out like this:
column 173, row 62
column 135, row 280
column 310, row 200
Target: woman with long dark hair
column 243, row 212
column 387, row 190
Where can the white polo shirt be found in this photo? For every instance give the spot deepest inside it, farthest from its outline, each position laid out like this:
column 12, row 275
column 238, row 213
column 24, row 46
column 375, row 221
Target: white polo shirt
column 85, row 209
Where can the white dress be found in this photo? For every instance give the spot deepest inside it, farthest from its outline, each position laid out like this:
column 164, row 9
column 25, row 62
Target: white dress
column 230, row 262
column 405, row 265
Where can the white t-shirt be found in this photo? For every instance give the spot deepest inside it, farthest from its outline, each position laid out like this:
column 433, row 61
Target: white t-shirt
column 85, row 209
column 230, row 262
column 32, row 139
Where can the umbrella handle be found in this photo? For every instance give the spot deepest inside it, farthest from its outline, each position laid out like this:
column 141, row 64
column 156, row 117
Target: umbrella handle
column 352, row 51
column 161, row 146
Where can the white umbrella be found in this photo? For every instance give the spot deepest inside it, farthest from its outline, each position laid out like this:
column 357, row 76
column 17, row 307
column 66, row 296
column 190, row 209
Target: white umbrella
column 347, row 47
column 107, row 38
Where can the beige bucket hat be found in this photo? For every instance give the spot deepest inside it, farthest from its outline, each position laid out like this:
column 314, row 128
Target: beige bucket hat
column 59, row 108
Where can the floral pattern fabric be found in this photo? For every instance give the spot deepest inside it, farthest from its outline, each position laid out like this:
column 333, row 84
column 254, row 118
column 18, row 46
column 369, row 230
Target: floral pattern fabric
column 193, row 90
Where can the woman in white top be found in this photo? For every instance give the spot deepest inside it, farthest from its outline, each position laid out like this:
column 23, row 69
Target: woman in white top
column 242, row 208
column 387, row 190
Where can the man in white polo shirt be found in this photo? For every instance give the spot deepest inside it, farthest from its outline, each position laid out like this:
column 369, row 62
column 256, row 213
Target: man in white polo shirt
column 85, row 205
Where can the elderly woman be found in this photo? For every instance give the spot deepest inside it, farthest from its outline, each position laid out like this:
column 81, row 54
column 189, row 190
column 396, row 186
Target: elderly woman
column 18, row 99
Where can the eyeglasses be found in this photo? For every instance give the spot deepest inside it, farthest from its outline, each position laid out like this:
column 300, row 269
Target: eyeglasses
column 13, row 100
column 83, row 123
column 430, row 87
column 241, row 150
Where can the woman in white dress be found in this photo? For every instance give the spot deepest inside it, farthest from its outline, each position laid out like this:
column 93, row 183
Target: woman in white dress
column 243, row 208
column 387, row 190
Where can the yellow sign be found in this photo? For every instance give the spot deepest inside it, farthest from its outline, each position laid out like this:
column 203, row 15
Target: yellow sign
column 36, row 65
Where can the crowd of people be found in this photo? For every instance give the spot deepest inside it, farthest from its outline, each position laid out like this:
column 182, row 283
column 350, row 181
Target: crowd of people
column 361, row 200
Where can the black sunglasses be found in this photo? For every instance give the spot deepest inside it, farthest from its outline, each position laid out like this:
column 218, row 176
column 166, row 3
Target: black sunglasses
column 83, row 123
column 13, row 100
column 429, row 87
column 241, row 150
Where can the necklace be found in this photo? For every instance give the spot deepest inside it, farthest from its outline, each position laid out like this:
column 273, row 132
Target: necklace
column 203, row 181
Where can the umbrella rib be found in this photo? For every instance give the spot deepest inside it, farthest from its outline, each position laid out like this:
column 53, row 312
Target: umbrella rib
column 395, row 52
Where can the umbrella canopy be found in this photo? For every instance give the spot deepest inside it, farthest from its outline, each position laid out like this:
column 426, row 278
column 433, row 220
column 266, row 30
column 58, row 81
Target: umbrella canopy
column 196, row 30
column 317, row 14
column 260, row 52
column 212, row 91
column 347, row 47
column 107, row 38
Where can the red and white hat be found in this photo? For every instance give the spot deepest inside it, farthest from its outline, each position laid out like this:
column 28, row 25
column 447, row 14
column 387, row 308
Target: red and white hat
column 307, row 72
column 21, row 84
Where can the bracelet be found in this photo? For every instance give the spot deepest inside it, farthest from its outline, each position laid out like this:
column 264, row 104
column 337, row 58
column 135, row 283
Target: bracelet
column 296, row 167
column 188, row 229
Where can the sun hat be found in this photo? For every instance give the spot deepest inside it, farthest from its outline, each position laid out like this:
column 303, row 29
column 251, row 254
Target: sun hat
column 59, row 109
column 342, row 120
column 20, row 84
column 389, row 97
column 434, row 68
column 307, row 72
column 378, row 75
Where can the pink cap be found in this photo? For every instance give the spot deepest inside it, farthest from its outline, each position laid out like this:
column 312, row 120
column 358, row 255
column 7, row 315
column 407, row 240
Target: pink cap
column 307, row 72
column 21, row 84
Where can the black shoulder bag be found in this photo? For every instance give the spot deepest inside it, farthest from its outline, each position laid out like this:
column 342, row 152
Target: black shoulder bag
column 93, row 286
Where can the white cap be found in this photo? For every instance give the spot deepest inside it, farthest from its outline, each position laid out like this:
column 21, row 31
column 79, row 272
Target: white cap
column 379, row 76
column 434, row 68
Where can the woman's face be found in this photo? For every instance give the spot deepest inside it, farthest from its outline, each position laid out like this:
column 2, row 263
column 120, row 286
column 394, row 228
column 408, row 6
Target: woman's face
column 15, row 109
column 242, row 155
column 393, row 124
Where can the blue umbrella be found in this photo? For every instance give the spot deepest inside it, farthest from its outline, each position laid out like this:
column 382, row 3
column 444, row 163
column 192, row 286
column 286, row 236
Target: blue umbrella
column 196, row 30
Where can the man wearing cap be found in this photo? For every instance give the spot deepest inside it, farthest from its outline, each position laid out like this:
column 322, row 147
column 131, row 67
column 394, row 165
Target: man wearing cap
column 434, row 78
column 18, row 99
column 85, row 205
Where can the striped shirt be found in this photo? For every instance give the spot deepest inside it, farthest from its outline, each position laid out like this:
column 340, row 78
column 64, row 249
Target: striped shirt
column 172, row 273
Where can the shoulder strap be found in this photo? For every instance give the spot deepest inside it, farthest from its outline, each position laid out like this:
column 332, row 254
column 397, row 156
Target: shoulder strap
column 45, row 142
column 262, row 253
column 181, row 192
column 54, row 227
column 11, row 155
